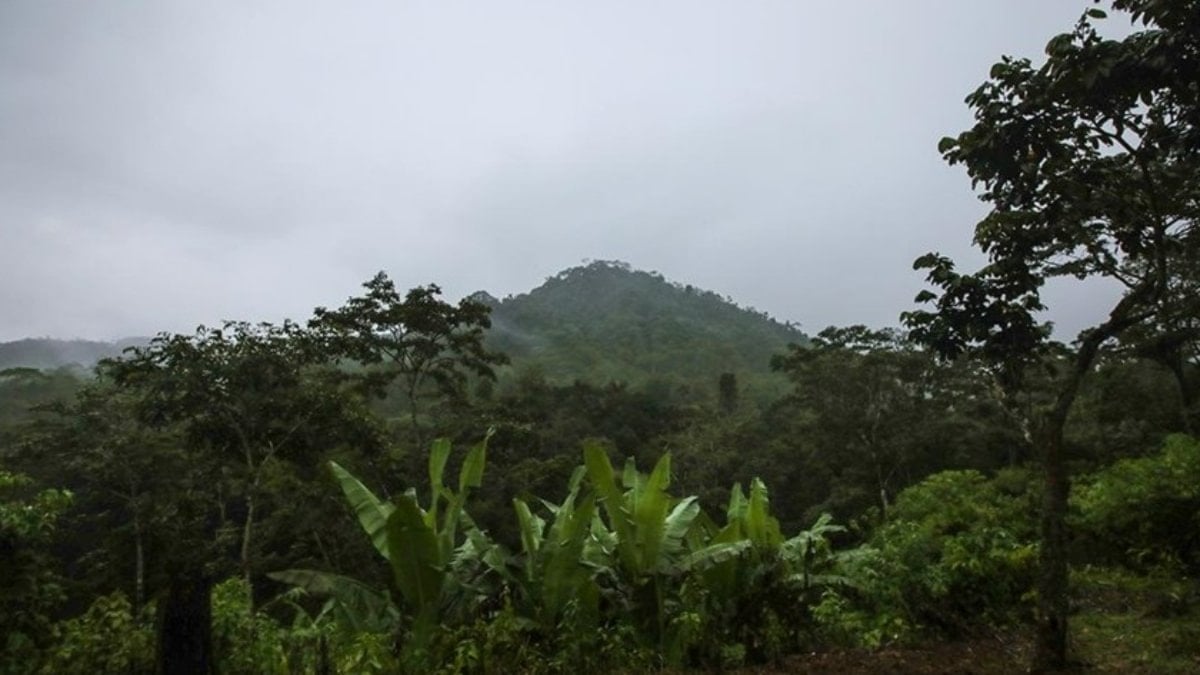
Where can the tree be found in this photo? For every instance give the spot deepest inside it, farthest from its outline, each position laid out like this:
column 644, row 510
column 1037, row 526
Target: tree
column 420, row 340
column 30, row 588
column 862, row 397
column 126, row 476
column 1091, row 164
column 243, row 399
column 251, row 395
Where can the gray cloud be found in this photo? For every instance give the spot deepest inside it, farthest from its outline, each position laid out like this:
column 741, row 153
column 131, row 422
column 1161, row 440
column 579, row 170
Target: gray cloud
column 164, row 164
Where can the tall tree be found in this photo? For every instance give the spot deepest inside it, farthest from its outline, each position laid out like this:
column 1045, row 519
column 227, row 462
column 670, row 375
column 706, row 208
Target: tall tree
column 864, row 398
column 250, row 395
column 1091, row 164
column 421, row 340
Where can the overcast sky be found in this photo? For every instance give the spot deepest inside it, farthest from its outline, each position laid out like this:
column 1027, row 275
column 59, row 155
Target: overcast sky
column 164, row 164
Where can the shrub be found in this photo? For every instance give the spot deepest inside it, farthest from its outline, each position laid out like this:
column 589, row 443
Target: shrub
column 107, row 638
column 955, row 553
column 1144, row 512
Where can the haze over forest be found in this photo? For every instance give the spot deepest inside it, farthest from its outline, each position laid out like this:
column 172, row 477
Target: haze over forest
column 166, row 165
column 598, row 338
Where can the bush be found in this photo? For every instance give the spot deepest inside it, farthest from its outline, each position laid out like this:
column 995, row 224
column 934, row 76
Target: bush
column 107, row 638
column 956, row 553
column 1144, row 512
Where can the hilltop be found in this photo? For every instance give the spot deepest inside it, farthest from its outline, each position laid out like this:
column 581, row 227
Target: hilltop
column 605, row 321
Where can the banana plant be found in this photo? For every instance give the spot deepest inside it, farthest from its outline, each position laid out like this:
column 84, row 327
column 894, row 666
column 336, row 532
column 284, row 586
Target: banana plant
column 650, row 526
column 651, row 539
column 420, row 544
column 555, row 573
column 751, row 535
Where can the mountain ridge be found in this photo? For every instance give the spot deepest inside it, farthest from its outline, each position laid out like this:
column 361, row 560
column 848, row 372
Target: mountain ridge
column 602, row 321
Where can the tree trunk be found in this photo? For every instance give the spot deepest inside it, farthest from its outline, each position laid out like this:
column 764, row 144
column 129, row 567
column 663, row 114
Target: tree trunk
column 139, row 573
column 1050, row 652
column 185, row 628
column 1176, row 364
column 247, row 532
column 412, row 411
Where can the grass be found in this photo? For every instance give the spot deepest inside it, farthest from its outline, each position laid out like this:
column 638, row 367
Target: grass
column 1131, row 623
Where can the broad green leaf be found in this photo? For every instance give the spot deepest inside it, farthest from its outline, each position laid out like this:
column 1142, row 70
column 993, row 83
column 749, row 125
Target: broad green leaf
column 531, row 534
column 604, row 481
column 416, row 559
column 438, row 454
column 737, row 504
column 564, row 575
column 471, row 475
column 649, row 518
column 761, row 527
column 714, row 554
column 358, row 607
column 372, row 514
column 674, row 532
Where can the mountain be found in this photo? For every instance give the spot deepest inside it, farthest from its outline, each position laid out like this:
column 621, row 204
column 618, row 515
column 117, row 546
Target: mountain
column 605, row 321
column 51, row 353
column 600, row 322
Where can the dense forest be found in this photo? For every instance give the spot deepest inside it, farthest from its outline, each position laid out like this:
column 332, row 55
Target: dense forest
column 616, row 473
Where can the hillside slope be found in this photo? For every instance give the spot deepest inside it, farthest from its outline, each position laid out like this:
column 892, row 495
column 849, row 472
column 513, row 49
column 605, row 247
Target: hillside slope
column 608, row 322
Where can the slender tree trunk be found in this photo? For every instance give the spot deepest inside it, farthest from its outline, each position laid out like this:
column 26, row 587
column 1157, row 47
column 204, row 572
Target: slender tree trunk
column 1050, row 653
column 185, row 628
column 139, row 574
column 884, row 505
column 1050, row 650
column 1176, row 364
column 412, row 411
column 247, row 532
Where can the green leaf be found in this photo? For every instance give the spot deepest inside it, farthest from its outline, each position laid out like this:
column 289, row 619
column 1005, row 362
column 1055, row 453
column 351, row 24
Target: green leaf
column 761, row 527
column 416, row 559
column 471, row 475
column 531, row 534
column 675, row 531
column 357, row 606
column 372, row 514
column 600, row 471
column 714, row 554
column 564, row 577
column 438, row 455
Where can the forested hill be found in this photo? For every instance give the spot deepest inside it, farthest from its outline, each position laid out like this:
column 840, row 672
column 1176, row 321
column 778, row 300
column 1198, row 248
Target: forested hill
column 605, row 321
column 601, row 322
column 51, row 353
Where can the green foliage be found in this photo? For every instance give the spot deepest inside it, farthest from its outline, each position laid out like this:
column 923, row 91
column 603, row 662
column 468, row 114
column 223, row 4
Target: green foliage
column 1145, row 511
column 1088, row 162
column 107, row 638
column 954, row 556
column 874, row 410
column 421, row 546
column 555, row 585
column 246, row 642
column 30, row 590
column 604, row 322
column 421, row 341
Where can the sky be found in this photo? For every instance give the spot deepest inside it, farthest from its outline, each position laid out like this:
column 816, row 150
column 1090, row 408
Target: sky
column 166, row 164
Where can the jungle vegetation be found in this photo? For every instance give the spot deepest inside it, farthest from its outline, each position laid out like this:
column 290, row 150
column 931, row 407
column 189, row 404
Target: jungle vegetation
column 617, row 473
